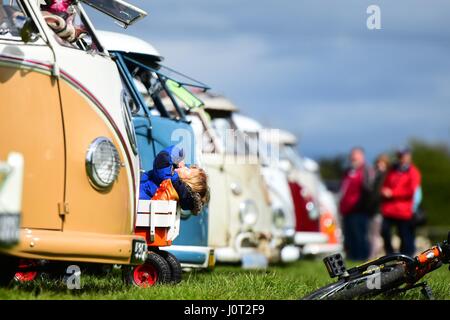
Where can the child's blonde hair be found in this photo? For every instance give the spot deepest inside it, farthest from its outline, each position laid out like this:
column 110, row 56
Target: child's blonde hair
column 198, row 184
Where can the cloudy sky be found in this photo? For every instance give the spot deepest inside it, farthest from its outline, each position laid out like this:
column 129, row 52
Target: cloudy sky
column 313, row 67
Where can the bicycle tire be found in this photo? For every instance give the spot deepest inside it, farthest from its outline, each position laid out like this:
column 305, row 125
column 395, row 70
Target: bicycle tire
column 389, row 277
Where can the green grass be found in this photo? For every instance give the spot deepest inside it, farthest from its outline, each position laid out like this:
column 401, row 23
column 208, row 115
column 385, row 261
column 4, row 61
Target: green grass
column 225, row 282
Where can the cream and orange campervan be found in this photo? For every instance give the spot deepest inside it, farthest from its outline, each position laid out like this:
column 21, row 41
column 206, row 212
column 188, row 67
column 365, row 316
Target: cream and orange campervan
column 63, row 107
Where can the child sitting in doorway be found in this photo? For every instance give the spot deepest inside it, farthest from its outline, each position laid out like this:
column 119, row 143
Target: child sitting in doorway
column 171, row 179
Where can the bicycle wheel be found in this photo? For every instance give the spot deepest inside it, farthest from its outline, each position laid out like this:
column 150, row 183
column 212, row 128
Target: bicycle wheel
column 387, row 278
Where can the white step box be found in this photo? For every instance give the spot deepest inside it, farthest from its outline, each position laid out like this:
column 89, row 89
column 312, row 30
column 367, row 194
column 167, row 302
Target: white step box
column 159, row 214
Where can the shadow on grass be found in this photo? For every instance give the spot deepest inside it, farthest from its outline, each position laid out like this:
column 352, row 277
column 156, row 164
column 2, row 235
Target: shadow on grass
column 58, row 286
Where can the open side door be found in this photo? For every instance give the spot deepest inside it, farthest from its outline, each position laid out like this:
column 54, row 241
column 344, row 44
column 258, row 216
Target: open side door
column 159, row 123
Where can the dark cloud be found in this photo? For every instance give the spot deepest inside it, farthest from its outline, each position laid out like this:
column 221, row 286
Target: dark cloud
column 313, row 67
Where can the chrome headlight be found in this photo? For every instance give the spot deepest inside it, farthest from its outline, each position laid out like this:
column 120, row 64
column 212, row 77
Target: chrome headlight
column 279, row 219
column 102, row 163
column 248, row 212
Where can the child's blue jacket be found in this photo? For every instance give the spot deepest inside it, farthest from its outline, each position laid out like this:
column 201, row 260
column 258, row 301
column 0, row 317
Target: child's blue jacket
column 163, row 169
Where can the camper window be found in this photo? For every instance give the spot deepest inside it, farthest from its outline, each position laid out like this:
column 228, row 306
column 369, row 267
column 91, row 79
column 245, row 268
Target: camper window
column 69, row 25
column 202, row 134
column 233, row 141
column 12, row 20
column 153, row 92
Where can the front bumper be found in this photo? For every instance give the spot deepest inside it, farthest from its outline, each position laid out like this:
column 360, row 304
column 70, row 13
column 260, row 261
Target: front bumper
column 315, row 244
column 284, row 235
column 232, row 255
column 251, row 244
column 76, row 246
column 303, row 238
column 245, row 243
column 282, row 246
column 321, row 249
column 194, row 257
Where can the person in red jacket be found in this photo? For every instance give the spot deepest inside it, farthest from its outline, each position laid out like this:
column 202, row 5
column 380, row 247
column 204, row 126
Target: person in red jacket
column 397, row 193
column 355, row 189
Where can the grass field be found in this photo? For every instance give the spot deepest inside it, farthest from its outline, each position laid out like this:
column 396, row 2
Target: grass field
column 225, row 282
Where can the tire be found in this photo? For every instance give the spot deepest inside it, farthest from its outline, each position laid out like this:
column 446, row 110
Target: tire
column 8, row 269
column 26, row 276
column 155, row 270
column 389, row 277
column 175, row 266
column 43, row 270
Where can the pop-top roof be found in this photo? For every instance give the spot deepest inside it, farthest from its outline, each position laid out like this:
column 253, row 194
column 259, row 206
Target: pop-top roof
column 216, row 102
column 114, row 41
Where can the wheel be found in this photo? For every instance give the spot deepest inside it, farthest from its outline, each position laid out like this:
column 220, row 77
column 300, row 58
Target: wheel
column 387, row 278
column 175, row 266
column 8, row 268
column 26, row 276
column 155, row 270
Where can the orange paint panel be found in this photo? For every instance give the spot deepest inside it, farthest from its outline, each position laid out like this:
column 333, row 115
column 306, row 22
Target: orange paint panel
column 30, row 123
column 107, row 212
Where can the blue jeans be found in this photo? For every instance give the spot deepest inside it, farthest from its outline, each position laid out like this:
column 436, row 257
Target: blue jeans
column 356, row 240
column 406, row 232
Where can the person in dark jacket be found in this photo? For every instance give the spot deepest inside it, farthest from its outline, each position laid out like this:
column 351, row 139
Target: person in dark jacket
column 398, row 191
column 355, row 190
column 190, row 183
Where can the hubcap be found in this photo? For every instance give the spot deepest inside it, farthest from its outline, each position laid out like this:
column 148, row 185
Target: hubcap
column 145, row 275
column 26, row 276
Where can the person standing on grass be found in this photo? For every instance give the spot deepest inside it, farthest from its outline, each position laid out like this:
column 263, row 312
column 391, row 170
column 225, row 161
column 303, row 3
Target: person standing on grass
column 355, row 191
column 398, row 191
column 375, row 219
